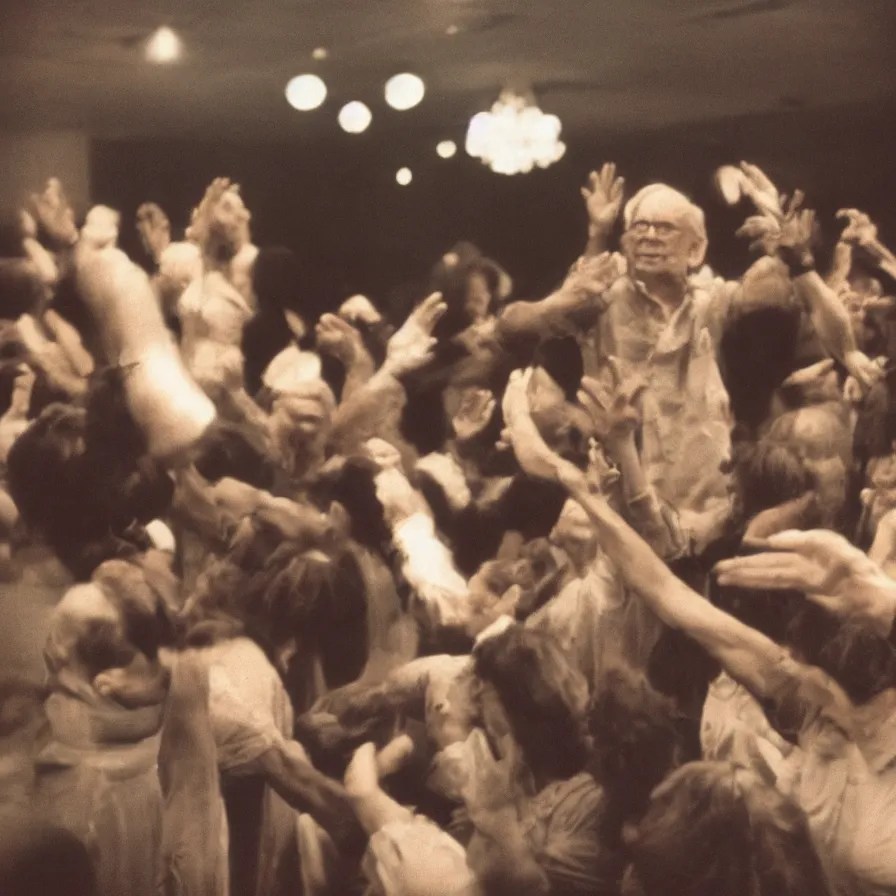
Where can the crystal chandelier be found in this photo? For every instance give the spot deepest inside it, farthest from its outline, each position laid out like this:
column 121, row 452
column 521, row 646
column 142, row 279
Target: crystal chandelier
column 515, row 136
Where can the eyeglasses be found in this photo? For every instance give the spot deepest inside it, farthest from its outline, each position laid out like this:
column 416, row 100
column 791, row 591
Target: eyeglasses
column 661, row 228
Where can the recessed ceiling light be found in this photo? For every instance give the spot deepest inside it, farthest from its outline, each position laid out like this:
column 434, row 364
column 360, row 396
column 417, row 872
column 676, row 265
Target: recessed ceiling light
column 306, row 92
column 354, row 117
column 320, row 53
column 451, row 30
column 164, row 46
column 446, row 149
column 404, row 176
column 404, row 91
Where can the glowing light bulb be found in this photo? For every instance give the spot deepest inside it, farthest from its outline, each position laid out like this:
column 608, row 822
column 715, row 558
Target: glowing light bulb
column 404, row 176
column 354, row 118
column 306, row 92
column 404, row 91
column 320, row 53
column 451, row 30
column 164, row 47
column 446, row 149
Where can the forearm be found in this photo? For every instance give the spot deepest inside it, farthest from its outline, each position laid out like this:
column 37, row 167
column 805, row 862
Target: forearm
column 373, row 408
column 305, row 789
column 829, row 317
column 598, row 241
column 549, row 317
column 358, row 371
column 748, row 656
column 634, row 482
column 841, row 267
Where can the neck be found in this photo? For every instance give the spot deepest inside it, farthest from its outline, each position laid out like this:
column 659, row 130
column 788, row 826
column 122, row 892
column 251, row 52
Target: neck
column 668, row 291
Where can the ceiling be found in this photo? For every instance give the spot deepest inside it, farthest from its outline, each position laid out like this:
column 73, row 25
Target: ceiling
column 618, row 65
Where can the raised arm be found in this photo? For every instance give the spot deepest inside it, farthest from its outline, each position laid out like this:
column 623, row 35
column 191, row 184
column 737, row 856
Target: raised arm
column 576, row 304
column 747, row 655
column 603, row 200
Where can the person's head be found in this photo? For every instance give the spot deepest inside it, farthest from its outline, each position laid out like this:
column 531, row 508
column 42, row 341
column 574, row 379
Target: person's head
column 300, row 423
column 638, row 740
column 820, row 436
column 106, row 623
column 79, row 479
column 472, row 286
column 220, row 223
column 40, row 858
column 665, row 235
column 712, row 829
column 529, row 690
column 154, row 229
column 229, row 450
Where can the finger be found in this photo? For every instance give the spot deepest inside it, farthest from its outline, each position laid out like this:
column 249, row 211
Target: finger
column 586, row 193
column 591, row 388
column 618, row 189
column 393, row 756
column 615, row 370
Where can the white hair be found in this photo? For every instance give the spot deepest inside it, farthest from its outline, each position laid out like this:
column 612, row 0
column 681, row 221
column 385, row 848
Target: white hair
column 693, row 214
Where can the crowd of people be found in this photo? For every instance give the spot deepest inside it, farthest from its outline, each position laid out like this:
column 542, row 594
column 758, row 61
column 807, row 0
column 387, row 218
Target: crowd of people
column 593, row 594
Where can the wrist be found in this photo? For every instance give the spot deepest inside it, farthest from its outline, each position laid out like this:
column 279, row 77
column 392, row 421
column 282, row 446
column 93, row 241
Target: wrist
column 879, row 609
column 799, row 261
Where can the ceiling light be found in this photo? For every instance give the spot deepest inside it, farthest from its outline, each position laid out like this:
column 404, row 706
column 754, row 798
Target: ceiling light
column 404, row 176
column 320, row 53
column 404, row 91
column 306, row 92
column 515, row 136
column 354, row 117
column 446, row 149
column 451, row 30
column 164, row 46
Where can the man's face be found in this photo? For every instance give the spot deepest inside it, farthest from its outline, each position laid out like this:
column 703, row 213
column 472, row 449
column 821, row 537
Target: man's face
column 660, row 243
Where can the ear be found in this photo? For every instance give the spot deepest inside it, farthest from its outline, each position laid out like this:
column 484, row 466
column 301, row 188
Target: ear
column 697, row 254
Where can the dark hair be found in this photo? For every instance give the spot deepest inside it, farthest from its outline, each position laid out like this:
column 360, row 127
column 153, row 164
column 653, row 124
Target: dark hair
column 40, row 858
column 638, row 740
column 769, row 473
column 228, row 450
column 716, row 830
column 72, row 480
column 544, row 698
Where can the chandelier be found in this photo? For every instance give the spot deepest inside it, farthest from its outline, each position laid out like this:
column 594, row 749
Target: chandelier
column 515, row 136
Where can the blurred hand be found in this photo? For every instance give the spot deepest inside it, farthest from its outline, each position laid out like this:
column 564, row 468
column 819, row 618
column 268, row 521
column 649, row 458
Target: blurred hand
column 859, row 229
column 603, row 197
column 411, row 347
column 759, row 187
column 824, row 565
column 614, row 412
column 477, row 406
column 591, row 276
column 338, row 338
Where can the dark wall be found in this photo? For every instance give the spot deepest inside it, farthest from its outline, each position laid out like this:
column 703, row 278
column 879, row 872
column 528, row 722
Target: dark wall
column 355, row 229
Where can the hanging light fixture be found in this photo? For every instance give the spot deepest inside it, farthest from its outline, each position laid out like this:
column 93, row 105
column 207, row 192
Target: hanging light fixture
column 446, row 149
column 306, row 92
column 404, row 91
column 404, row 176
column 515, row 136
column 164, row 46
column 354, row 118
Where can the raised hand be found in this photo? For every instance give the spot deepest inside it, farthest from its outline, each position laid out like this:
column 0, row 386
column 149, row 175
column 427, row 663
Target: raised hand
column 614, row 411
column 592, row 275
column 533, row 454
column 603, row 197
column 822, row 564
column 334, row 336
column 859, row 229
column 759, row 187
column 477, row 406
column 411, row 347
